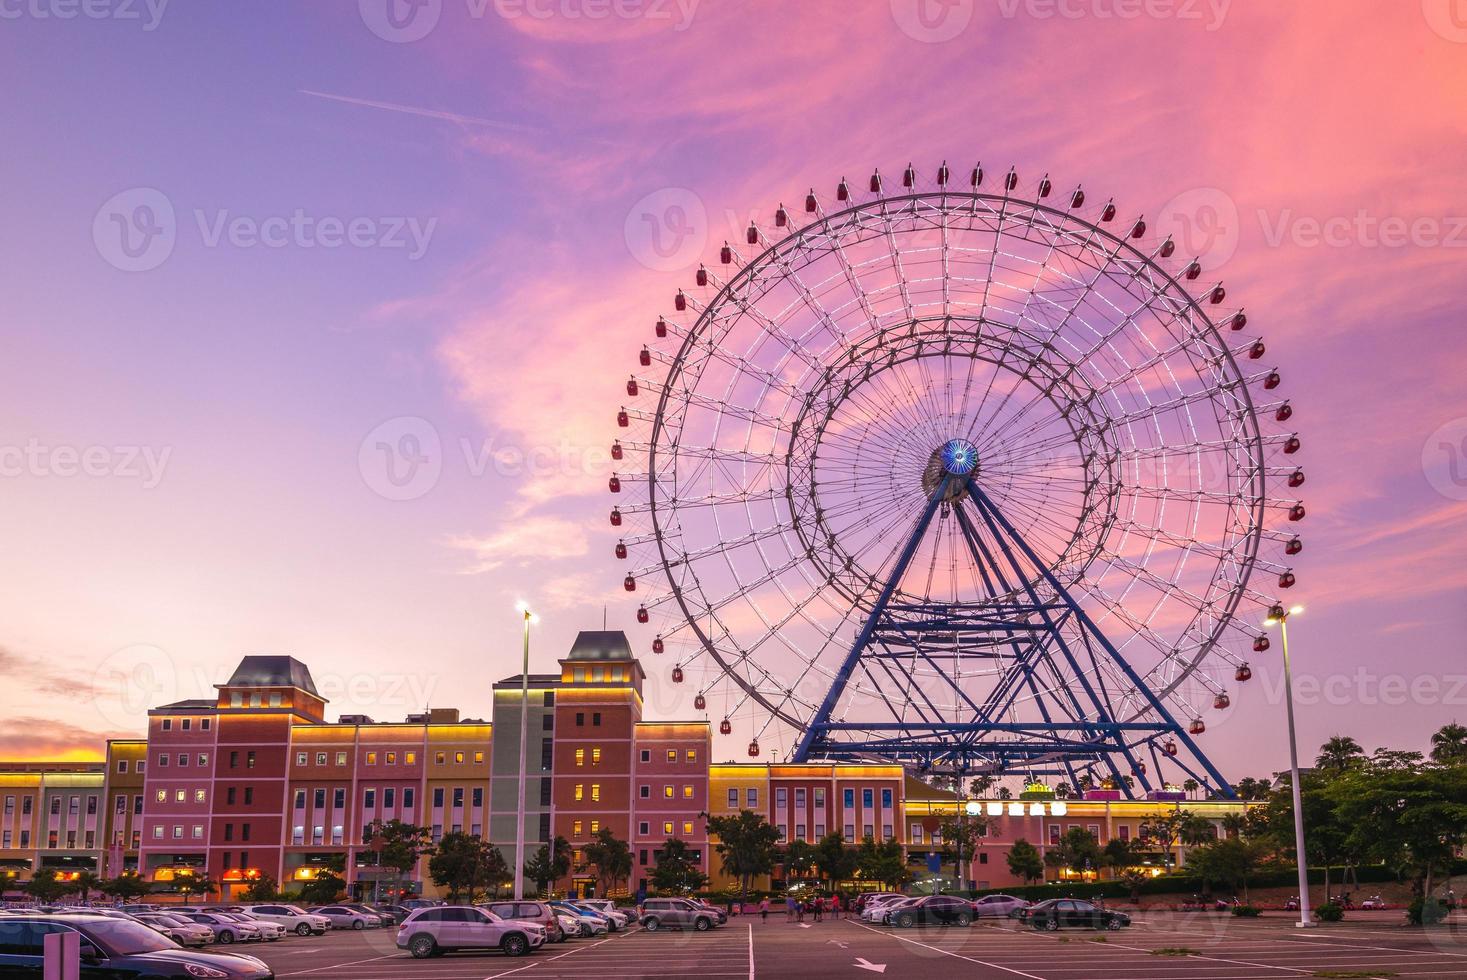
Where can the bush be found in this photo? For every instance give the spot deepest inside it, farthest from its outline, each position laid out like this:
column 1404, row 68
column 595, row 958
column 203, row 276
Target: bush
column 1247, row 911
column 1330, row 912
column 1426, row 912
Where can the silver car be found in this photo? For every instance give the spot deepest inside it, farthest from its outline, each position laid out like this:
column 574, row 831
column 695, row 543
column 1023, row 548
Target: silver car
column 435, row 931
column 998, row 907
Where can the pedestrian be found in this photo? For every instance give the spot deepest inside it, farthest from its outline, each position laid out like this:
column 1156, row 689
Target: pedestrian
column 835, row 904
column 800, row 911
column 789, row 908
column 764, row 909
column 819, row 904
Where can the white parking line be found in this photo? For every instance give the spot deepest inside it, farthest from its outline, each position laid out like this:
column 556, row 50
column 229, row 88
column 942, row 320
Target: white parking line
column 939, row 949
column 337, row 966
column 561, row 956
column 751, row 951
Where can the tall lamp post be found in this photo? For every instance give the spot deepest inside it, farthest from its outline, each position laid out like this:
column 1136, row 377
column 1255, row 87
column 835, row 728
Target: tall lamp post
column 1279, row 616
column 519, row 822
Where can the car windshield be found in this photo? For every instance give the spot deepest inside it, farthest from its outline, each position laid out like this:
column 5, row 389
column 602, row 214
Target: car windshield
column 293, row 909
column 120, row 937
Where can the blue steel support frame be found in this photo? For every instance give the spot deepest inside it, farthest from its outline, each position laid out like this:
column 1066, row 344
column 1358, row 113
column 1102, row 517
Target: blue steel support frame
column 1078, row 728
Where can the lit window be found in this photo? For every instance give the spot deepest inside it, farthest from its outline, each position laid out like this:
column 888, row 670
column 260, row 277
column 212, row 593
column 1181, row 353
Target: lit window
column 178, row 831
column 575, row 828
column 672, row 755
column 596, row 756
column 595, row 826
column 478, row 758
column 371, row 758
column 688, row 828
column 458, row 757
column 392, row 758
column 439, row 757
column 320, row 758
column 198, row 831
column 158, row 832
column 300, row 758
column 667, row 792
column 580, row 757
column 198, row 796
column 692, row 755
column 411, row 759
column 341, row 758
column 180, row 795
column 162, row 796
column 580, row 791
column 667, row 828
column 596, row 791
column 687, row 792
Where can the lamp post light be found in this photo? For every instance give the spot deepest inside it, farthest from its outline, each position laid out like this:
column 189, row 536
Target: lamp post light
column 519, row 823
column 1279, row 616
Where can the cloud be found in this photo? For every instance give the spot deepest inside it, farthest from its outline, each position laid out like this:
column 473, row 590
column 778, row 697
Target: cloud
column 523, row 541
column 34, row 673
column 32, row 738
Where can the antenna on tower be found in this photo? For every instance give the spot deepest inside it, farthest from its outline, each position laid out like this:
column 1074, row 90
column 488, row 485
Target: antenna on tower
column 603, row 617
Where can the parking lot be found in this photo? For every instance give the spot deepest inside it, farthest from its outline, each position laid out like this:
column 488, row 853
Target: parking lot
column 1203, row 946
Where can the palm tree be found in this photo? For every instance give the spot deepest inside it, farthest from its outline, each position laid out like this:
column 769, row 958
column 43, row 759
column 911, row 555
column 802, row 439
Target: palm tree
column 1339, row 753
column 1191, row 786
column 1449, row 745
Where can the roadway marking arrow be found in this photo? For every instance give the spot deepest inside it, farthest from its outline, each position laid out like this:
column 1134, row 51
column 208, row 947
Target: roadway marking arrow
column 806, row 925
column 864, row 964
column 836, row 942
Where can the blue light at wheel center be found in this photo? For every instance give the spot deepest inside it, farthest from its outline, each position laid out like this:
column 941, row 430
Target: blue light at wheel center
column 959, row 457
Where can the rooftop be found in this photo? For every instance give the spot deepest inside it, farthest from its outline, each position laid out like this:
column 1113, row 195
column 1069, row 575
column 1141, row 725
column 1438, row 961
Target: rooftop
column 273, row 671
column 600, row 645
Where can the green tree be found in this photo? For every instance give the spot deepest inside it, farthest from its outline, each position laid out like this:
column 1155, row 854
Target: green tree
column 1326, row 839
column 1449, row 744
column 1077, row 849
column 126, row 887
column 328, row 883
column 676, row 871
column 44, row 886
column 262, row 889
column 467, row 865
column 882, row 860
column 189, row 883
column 1339, row 753
column 397, row 846
column 1133, row 880
column 1412, row 817
column 960, row 837
column 834, row 861
column 746, row 846
column 549, row 864
column 610, row 857
column 798, row 858
column 1229, row 862
column 1119, row 854
column 85, row 883
column 1025, row 862
column 1190, row 786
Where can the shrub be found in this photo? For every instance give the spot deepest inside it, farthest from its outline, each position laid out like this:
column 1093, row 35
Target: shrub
column 1330, row 912
column 1247, row 911
column 1426, row 912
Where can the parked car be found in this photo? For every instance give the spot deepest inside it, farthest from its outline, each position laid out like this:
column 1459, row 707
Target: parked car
column 114, row 949
column 618, row 918
column 1375, row 902
column 1058, row 912
column 269, row 931
column 998, row 907
column 227, row 929
column 876, row 909
column 864, row 900
column 294, row 918
column 540, row 913
column 679, row 913
column 342, row 917
column 721, row 914
column 443, row 929
column 939, row 910
column 588, row 923
column 180, row 929
column 383, row 918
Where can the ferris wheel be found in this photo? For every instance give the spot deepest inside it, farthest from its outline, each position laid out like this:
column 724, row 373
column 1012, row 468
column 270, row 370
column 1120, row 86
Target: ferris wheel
column 959, row 472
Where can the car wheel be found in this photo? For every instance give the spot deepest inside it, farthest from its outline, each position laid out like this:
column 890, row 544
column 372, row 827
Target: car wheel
column 1051, row 925
column 515, row 945
column 422, row 947
column 1114, row 924
column 226, row 937
column 906, row 920
column 358, row 924
column 303, row 929
column 962, row 919
column 652, row 924
column 701, row 924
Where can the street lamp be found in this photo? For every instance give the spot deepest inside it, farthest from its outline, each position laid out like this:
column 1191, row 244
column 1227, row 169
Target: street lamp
column 519, row 824
column 1279, row 616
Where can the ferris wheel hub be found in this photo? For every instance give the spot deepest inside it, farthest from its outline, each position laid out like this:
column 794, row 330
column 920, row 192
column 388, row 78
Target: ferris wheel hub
column 959, row 457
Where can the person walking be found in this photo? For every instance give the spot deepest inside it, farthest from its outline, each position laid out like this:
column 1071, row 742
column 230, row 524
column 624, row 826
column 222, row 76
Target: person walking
column 819, row 907
column 835, row 904
column 764, row 909
column 790, row 908
column 800, row 911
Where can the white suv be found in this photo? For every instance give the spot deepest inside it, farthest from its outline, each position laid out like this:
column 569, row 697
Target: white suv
column 439, row 930
column 293, row 918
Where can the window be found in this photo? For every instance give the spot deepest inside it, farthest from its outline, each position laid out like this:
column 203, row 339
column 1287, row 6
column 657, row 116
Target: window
column 300, row 758
column 187, row 724
column 244, row 831
column 438, row 797
column 644, row 828
column 783, row 830
column 121, row 806
column 596, row 755
column 868, row 831
column 410, row 758
column 318, row 799
column 580, row 791
column 320, row 758
column 392, row 758
column 205, row 724
column 198, row 831
column 338, row 798
column 341, row 758
column 850, row 832
column 234, row 760
column 688, row 828
column 596, row 718
column 162, row 796
column 687, row 792
column 203, row 758
column 168, row 724
column 752, row 795
column 595, row 826
column 478, row 758
column 596, row 792
column 868, row 798
column 249, row 795
column 547, row 754
column 183, row 759
column 733, row 799
column 799, row 831
column 121, row 767
column 667, row 828
column 249, row 760
column 781, row 798
column 163, row 759
column 300, row 798
column 371, row 758
column 458, row 757
column 458, row 797
column 439, row 757
column 819, row 830
column 580, row 719
column 369, row 799
column 478, row 796
column 178, row 831
column 1054, row 833
column 886, row 831
column 575, row 828
column 199, row 796
column 800, row 798
column 158, row 832
column 55, row 805
column 142, row 766
column 672, row 755
column 886, row 799
column 228, row 831
column 692, row 755
column 549, row 699
column 580, row 757
column 646, row 755
column 1125, row 830
column 544, row 792
column 848, row 797
column 645, row 791
column 547, row 723
column 137, row 805
column 298, row 834
column 667, row 792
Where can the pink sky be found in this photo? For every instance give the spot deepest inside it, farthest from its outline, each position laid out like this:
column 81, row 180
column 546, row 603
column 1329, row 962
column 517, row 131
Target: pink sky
column 234, row 394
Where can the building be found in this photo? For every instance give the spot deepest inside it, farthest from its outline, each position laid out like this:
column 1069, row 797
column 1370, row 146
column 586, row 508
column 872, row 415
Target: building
column 255, row 782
